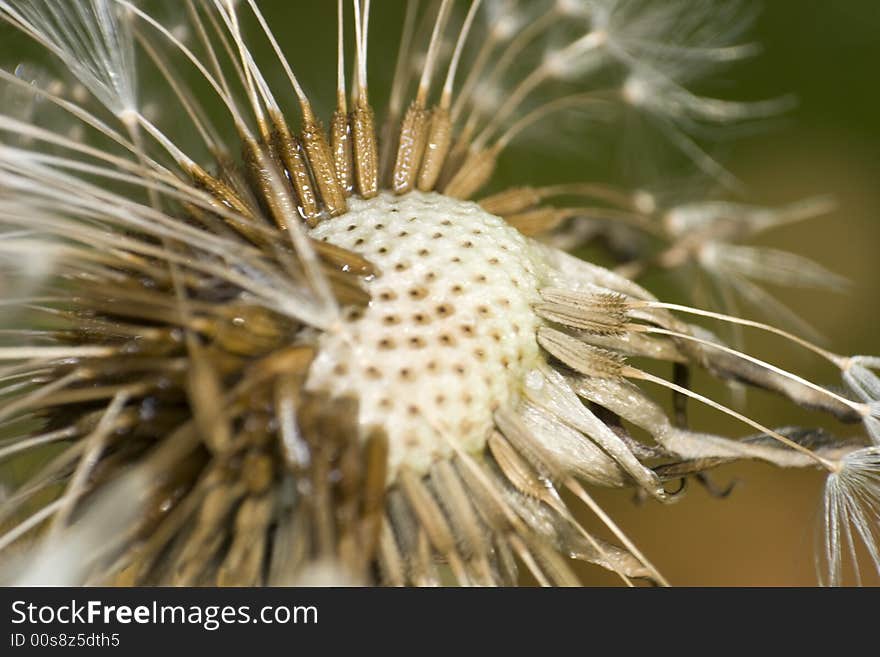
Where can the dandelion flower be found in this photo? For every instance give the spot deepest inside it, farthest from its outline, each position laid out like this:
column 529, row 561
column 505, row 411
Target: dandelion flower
column 257, row 347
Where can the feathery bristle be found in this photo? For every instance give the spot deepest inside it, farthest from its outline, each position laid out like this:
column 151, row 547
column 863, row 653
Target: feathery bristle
column 852, row 513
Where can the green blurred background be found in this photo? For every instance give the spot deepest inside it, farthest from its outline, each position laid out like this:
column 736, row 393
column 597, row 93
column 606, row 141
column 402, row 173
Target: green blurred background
column 827, row 53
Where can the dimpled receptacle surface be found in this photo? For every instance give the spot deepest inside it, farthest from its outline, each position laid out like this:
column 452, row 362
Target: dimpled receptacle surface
column 449, row 333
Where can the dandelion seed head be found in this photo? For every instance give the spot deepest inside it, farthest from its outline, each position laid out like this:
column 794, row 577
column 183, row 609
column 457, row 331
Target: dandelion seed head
column 326, row 354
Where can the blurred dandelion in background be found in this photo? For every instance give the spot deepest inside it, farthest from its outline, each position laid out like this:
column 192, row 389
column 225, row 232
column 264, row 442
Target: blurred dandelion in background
column 289, row 296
